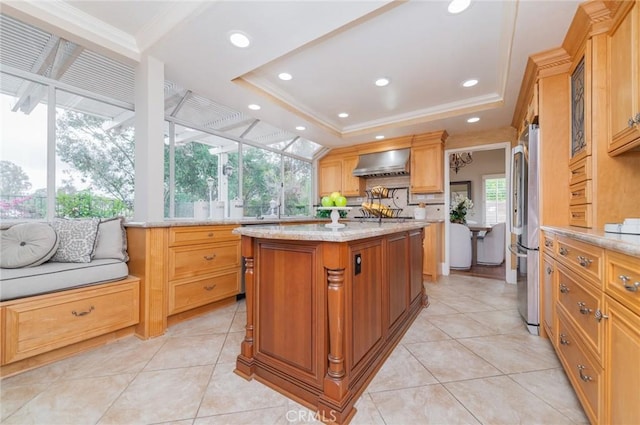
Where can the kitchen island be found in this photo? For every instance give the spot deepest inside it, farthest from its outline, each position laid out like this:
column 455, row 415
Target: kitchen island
column 326, row 306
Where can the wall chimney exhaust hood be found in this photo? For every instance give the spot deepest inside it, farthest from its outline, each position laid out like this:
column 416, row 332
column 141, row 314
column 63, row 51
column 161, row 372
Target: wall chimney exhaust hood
column 382, row 164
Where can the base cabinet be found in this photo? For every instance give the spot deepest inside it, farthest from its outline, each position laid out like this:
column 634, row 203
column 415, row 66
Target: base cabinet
column 596, row 327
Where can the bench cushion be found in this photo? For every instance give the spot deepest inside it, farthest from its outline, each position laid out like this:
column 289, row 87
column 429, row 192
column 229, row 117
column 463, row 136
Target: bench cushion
column 52, row 277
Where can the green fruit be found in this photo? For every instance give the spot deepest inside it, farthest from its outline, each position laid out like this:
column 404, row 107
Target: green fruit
column 334, row 196
column 326, row 201
column 341, row 201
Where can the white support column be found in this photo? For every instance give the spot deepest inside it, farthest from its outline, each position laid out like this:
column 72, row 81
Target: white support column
column 149, row 180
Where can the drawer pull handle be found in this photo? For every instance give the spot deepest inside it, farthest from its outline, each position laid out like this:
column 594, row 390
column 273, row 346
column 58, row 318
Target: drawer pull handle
column 210, row 257
column 630, row 288
column 564, row 340
column 585, row 378
column 575, row 193
column 548, row 243
column 209, row 288
column 599, row 315
column 564, row 251
column 631, row 122
column 583, row 308
column 564, row 288
column 584, row 261
column 210, row 234
column 83, row 313
column 549, row 270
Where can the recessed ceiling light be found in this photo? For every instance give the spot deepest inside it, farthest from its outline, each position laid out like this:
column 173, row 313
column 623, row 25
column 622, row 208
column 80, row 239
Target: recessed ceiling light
column 380, row 137
column 343, row 115
column 253, row 107
column 285, row 76
column 381, row 82
column 239, row 39
column 470, row 83
column 473, row 119
column 301, row 127
column 457, row 6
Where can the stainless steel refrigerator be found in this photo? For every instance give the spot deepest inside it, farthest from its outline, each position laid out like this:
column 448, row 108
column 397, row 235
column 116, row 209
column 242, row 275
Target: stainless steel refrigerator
column 525, row 225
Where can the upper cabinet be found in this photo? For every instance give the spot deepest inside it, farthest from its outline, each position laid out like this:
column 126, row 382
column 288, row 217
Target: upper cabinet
column 335, row 174
column 623, row 66
column 426, row 168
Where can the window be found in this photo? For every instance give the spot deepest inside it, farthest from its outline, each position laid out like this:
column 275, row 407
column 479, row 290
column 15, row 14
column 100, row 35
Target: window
column 495, row 198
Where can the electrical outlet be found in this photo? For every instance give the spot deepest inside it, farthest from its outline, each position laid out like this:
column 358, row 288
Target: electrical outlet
column 421, row 197
column 360, row 200
column 431, row 196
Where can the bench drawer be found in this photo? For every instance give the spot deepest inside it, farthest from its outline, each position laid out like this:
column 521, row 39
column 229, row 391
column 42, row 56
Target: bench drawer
column 58, row 320
column 196, row 260
column 195, row 293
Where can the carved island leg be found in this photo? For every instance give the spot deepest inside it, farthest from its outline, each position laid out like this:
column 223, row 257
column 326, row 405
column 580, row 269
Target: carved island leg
column 335, row 384
column 244, row 364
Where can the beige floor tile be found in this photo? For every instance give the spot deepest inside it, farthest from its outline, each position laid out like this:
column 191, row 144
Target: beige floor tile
column 160, row 396
column 70, row 402
column 500, row 322
column 400, row 370
column 229, row 393
column 512, row 353
column 269, row 416
column 422, row 330
column 437, row 307
column 451, row 361
column 367, row 413
column 231, row 347
column 466, row 304
column 187, row 351
column 239, row 322
column 460, row 326
column 431, row 404
column 553, row 387
column 12, row 398
column 216, row 322
column 499, row 400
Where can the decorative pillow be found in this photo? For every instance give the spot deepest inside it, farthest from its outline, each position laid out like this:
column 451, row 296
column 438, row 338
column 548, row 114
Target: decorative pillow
column 112, row 240
column 77, row 240
column 27, row 245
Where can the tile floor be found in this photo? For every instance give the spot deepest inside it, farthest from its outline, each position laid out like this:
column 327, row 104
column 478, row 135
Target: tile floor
column 466, row 359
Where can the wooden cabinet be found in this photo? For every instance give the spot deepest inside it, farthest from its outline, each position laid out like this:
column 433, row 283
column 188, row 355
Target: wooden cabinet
column 597, row 337
column 336, row 175
column 432, row 249
column 185, row 270
column 426, row 168
column 623, row 66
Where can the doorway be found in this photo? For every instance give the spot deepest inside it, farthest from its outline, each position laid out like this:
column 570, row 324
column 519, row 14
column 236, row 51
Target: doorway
column 471, row 176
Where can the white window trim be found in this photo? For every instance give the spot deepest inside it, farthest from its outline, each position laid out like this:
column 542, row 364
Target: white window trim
column 486, row 177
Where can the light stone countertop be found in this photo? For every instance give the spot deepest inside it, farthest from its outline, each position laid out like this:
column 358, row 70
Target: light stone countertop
column 626, row 244
column 319, row 232
column 224, row 222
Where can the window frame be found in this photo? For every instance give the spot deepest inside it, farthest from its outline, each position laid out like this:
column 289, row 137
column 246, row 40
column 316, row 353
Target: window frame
column 486, row 177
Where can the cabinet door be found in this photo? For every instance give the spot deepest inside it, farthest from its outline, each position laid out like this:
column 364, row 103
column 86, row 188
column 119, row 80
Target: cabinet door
column 548, row 302
column 623, row 60
column 426, row 169
column 351, row 186
column 622, row 368
column 330, row 177
column 399, row 271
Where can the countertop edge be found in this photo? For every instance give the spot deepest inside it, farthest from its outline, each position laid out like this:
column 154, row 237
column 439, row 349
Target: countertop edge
column 625, row 244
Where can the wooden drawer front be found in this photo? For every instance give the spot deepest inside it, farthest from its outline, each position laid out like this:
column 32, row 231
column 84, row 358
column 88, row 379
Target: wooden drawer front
column 580, row 302
column 580, row 193
column 194, row 293
column 548, row 240
column 580, row 171
column 45, row 324
column 200, row 234
column 584, row 259
column 584, row 372
column 189, row 261
column 622, row 279
column 580, row 215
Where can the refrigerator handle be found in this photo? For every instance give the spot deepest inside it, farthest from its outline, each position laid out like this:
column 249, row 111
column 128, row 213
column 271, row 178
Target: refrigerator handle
column 515, row 251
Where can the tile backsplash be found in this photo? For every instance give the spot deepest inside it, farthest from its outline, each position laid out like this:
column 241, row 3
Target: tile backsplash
column 402, row 198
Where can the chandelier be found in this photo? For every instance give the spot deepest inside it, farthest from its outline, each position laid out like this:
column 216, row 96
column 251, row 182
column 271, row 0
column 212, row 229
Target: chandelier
column 459, row 160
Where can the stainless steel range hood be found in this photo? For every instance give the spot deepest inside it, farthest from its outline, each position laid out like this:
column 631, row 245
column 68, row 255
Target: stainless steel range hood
column 380, row 164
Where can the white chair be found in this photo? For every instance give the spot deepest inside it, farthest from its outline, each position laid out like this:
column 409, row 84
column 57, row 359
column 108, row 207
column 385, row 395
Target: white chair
column 460, row 247
column 491, row 248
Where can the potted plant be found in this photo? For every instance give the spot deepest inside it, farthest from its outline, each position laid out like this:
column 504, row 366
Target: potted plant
column 459, row 208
